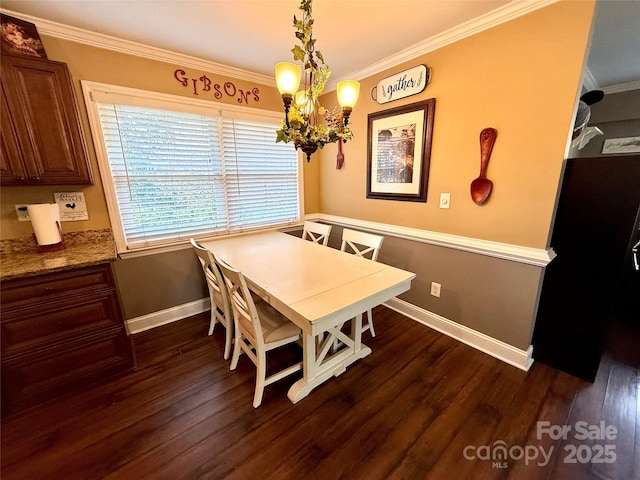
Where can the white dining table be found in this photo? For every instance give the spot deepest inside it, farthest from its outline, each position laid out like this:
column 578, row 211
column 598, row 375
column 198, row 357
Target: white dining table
column 319, row 289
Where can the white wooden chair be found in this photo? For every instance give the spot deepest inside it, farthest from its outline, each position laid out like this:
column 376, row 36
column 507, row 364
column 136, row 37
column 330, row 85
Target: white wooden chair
column 259, row 329
column 316, row 232
column 220, row 305
column 364, row 245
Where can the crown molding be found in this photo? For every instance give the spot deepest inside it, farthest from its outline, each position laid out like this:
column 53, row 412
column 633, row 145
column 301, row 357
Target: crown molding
column 503, row 14
column 622, row 87
column 588, row 81
column 496, row 17
column 86, row 37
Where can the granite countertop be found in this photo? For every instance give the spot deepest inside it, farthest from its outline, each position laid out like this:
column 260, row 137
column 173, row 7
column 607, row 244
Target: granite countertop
column 20, row 257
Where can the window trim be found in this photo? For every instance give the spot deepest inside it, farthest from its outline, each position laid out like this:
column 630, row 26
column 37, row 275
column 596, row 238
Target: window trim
column 92, row 90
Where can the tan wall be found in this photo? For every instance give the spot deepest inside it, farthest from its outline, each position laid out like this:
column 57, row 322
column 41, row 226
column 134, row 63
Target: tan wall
column 522, row 78
column 105, row 66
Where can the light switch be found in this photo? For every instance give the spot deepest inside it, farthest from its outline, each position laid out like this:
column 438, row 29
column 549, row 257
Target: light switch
column 445, row 200
column 22, row 213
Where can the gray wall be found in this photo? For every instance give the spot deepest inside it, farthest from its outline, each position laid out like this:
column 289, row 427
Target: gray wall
column 493, row 296
column 157, row 282
column 617, row 115
column 490, row 295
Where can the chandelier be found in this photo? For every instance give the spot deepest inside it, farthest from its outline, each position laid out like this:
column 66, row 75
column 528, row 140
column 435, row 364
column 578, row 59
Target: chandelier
column 302, row 110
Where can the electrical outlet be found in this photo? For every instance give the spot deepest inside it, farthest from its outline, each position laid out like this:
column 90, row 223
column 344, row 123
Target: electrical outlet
column 445, row 200
column 22, row 213
column 435, row 289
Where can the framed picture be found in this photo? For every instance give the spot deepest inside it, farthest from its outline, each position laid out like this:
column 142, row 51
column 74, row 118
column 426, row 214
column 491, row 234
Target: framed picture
column 20, row 36
column 621, row 145
column 399, row 150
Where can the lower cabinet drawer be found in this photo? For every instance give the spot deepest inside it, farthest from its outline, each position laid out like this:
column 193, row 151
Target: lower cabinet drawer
column 40, row 327
column 55, row 286
column 35, row 378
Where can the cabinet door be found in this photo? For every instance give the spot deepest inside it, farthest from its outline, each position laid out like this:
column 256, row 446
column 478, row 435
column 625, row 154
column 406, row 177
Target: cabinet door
column 42, row 105
column 63, row 368
column 11, row 169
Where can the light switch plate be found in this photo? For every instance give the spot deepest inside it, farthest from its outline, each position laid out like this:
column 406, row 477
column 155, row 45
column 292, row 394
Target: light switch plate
column 22, row 213
column 445, row 200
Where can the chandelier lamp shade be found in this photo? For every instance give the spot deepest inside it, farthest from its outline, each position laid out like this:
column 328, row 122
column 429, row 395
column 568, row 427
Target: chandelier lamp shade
column 307, row 124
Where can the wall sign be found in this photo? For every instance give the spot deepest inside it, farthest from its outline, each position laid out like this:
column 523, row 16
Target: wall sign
column 203, row 84
column 401, row 85
column 72, row 206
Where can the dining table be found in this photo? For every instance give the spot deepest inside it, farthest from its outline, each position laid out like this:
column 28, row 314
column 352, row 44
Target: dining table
column 319, row 289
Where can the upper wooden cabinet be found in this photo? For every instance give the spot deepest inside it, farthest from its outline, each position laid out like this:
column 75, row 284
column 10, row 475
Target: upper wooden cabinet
column 42, row 140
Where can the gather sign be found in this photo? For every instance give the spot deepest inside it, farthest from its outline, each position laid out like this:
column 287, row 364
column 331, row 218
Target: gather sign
column 401, row 85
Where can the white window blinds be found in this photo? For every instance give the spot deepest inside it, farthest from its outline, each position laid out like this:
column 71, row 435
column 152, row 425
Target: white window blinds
column 262, row 192
column 177, row 174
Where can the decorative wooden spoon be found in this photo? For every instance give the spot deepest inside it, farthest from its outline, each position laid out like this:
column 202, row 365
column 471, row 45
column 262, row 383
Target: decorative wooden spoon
column 481, row 186
column 340, row 157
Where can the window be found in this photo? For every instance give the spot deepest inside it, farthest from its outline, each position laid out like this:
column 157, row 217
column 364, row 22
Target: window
column 178, row 168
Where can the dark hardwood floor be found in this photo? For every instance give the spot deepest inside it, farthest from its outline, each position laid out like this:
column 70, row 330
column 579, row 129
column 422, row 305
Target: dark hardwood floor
column 421, row 406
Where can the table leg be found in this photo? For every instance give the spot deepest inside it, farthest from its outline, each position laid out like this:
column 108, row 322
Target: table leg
column 318, row 368
column 359, row 349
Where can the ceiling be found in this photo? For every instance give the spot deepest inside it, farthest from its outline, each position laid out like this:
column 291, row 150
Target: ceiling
column 353, row 35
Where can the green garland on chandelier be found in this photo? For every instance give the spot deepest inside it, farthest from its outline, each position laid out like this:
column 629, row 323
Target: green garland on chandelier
column 304, row 129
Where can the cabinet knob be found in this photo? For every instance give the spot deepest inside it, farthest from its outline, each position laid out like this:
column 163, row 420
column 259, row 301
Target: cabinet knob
column 36, row 179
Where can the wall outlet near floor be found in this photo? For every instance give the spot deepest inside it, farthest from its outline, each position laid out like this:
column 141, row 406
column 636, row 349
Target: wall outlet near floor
column 22, row 213
column 445, row 200
column 435, row 289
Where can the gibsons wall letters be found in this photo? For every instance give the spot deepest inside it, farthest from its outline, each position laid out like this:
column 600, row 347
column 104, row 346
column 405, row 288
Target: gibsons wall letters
column 219, row 90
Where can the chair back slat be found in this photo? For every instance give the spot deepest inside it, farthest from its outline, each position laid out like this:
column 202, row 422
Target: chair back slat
column 361, row 244
column 213, row 277
column 242, row 302
column 316, row 232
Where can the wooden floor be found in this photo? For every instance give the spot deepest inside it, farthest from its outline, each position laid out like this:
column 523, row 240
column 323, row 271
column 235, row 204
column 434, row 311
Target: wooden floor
column 421, row 406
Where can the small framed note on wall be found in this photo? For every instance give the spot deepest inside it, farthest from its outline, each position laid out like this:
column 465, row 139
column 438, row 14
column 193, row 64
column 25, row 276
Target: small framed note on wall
column 72, row 206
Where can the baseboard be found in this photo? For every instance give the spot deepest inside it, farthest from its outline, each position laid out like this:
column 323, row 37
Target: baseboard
column 162, row 317
column 522, row 359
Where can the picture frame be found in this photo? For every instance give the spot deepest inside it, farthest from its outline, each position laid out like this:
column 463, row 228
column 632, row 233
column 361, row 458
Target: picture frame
column 622, row 145
column 399, row 152
column 20, row 37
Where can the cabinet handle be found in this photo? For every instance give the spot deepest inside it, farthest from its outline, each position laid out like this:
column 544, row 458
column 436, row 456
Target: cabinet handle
column 36, row 179
column 21, row 179
column 49, row 289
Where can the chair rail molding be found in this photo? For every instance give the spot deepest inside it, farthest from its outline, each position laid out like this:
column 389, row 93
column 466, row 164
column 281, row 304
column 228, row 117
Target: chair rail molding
column 528, row 255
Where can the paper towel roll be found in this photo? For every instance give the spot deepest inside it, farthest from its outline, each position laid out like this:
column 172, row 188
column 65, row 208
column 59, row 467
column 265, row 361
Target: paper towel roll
column 45, row 218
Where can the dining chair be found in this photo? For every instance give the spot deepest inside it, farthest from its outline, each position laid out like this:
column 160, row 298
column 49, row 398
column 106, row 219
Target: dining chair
column 220, row 306
column 259, row 328
column 316, row 232
column 364, row 245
